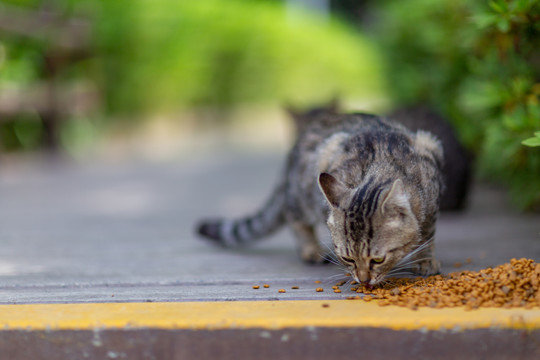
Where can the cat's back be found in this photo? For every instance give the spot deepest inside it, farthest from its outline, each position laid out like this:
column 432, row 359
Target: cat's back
column 325, row 127
column 355, row 147
column 331, row 137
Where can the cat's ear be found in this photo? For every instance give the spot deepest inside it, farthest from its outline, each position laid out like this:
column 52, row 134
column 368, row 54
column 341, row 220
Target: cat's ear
column 333, row 189
column 396, row 198
column 333, row 105
column 291, row 110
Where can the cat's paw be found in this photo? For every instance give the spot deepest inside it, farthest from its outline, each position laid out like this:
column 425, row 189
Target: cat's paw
column 428, row 267
column 313, row 255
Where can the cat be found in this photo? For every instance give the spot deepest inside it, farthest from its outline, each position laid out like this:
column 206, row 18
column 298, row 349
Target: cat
column 376, row 184
column 458, row 162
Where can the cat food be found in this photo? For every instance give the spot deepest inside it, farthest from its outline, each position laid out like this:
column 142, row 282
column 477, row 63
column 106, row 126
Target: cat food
column 295, row 287
column 255, row 287
column 281, row 290
column 319, row 289
column 266, row 286
column 337, row 291
column 513, row 284
column 317, row 281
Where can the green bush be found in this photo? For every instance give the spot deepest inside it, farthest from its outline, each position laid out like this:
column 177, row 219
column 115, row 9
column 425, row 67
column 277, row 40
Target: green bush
column 479, row 63
column 161, row 54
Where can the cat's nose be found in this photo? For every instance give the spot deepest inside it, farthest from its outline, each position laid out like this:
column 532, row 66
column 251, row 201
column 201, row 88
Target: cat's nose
column 364, row 276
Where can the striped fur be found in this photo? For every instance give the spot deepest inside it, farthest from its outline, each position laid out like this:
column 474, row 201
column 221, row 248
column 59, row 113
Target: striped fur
column 375, row 183
column 237, row 232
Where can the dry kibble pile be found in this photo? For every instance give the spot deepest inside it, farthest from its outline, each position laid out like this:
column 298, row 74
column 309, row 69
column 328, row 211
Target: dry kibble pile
column 514, row 284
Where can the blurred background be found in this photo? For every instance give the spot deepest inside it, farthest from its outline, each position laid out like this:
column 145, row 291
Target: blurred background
column 100, row 78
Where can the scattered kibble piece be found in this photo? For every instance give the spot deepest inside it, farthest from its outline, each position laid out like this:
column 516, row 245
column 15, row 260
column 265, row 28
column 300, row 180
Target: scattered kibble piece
column 281, row 290
column 319, row 290
column 317, row 281
column 468, row 260
column 341, row 283
column 457, row 264
column 367, row 298
column 337, row 291
column 325, row 305
column 255, row 286
column 266, row 286
column 295, row 287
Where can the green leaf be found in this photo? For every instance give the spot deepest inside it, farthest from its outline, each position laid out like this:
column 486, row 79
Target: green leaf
column 523, row 5
column 503, row 25
column 498, row 6
column 485, row 20
column 534, row 141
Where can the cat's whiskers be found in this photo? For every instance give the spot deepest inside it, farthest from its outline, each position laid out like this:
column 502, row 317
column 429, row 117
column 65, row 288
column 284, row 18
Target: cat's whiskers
column 400, row 273
column 386, row 282
column 331, row 281
column 330, row 252
column 407, row 266
column 416, row 251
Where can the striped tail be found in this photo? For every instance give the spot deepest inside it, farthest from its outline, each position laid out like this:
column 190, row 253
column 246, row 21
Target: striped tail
column 238, row 232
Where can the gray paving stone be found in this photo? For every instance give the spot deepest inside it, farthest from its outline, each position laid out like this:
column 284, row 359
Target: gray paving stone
column 72, row 232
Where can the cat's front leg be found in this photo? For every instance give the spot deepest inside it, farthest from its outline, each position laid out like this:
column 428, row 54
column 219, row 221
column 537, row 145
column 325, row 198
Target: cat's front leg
column 427, row 264
column 308, row 243
column 428, row 267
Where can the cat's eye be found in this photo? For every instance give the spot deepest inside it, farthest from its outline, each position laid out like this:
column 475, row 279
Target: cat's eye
column 347, row 260
column 378, row 260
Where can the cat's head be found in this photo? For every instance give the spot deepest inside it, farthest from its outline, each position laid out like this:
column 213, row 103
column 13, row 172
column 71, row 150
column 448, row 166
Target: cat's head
column 304, row 117
column 373, row 226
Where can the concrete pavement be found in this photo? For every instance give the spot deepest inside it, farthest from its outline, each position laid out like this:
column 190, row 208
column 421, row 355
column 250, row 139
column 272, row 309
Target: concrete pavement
column 85, row 232
column 122, row 232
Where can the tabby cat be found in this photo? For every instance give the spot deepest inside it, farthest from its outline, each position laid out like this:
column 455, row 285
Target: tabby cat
column 375, row 183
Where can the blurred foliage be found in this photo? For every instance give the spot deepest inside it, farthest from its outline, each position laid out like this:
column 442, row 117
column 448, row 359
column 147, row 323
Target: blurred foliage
column 161, row 56
column 478, row 62
column 533, row 141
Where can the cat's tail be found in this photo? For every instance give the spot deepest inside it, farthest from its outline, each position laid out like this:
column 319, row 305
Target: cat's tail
column 238, row 232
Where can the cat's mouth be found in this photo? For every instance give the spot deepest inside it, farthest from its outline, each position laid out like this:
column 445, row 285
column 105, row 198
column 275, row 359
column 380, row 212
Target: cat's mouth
column 365, row 279
column 368, row 285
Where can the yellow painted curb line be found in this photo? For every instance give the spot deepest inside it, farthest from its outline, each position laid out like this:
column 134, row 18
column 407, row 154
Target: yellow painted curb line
column 258, row 314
